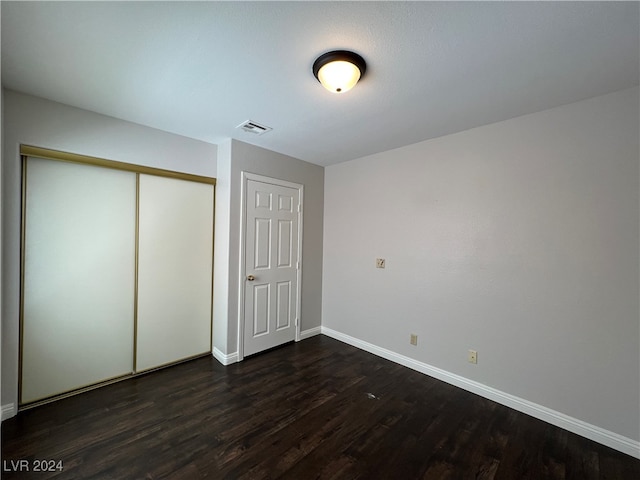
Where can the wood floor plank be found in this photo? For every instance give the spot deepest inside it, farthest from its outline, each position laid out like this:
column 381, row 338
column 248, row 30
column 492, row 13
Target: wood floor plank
column 317, row 409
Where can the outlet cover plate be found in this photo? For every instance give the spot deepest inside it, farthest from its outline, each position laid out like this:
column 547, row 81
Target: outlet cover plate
column 472, row 356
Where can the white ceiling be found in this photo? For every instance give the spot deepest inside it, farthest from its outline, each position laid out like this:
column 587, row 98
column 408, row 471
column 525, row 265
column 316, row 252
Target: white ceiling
column 200, row 69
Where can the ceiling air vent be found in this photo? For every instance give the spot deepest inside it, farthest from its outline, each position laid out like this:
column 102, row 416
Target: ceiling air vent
column 252, row 127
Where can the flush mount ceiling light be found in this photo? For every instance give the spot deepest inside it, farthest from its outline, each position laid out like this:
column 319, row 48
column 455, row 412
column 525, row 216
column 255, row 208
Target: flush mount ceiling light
column 339, row 71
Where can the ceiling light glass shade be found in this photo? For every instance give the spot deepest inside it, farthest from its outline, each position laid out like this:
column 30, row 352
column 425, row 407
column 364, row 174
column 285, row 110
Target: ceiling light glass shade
column 339, row 71
column 339, row 76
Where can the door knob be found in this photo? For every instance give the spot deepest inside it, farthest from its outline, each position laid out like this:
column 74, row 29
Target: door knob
column 251, row 278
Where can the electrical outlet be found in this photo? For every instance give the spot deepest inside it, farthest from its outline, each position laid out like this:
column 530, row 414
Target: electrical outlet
column 380, row 262
column 414, row 339
column 472, row 356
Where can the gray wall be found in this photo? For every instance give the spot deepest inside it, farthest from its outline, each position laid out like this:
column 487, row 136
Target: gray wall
column 1, row 240
column 517, row 239
column 234, row 158
column 42, row 123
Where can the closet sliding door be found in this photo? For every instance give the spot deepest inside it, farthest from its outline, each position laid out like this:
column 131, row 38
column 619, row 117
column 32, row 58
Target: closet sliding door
column 79, row 273
column 175, row 273
column 117, row 271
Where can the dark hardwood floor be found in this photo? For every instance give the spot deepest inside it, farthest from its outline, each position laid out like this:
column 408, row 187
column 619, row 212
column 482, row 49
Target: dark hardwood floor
column 303, row 411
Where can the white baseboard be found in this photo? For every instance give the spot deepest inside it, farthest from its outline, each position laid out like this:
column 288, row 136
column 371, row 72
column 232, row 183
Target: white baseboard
column 310, row 332
column 592, row 432
column 8, row 411
column 223, row 358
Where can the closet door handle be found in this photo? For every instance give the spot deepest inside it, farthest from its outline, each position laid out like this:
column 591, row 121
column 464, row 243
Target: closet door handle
column 251, row 278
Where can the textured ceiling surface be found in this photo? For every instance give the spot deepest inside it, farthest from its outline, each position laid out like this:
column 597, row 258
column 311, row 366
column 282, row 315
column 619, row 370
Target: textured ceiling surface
column 199, row 69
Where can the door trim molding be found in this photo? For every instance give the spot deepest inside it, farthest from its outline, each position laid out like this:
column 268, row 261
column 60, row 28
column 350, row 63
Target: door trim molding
column 246, row 176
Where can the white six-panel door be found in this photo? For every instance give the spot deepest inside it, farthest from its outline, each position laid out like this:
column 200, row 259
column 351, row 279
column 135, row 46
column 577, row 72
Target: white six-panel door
column 271, row 265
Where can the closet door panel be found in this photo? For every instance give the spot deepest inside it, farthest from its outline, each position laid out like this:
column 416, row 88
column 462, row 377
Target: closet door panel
column 174, row 270
column 79, row 273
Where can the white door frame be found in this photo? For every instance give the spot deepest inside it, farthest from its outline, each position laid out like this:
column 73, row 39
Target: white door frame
column 246, row 176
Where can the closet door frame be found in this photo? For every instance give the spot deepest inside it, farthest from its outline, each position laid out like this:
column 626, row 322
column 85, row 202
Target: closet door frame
column 48, row 154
